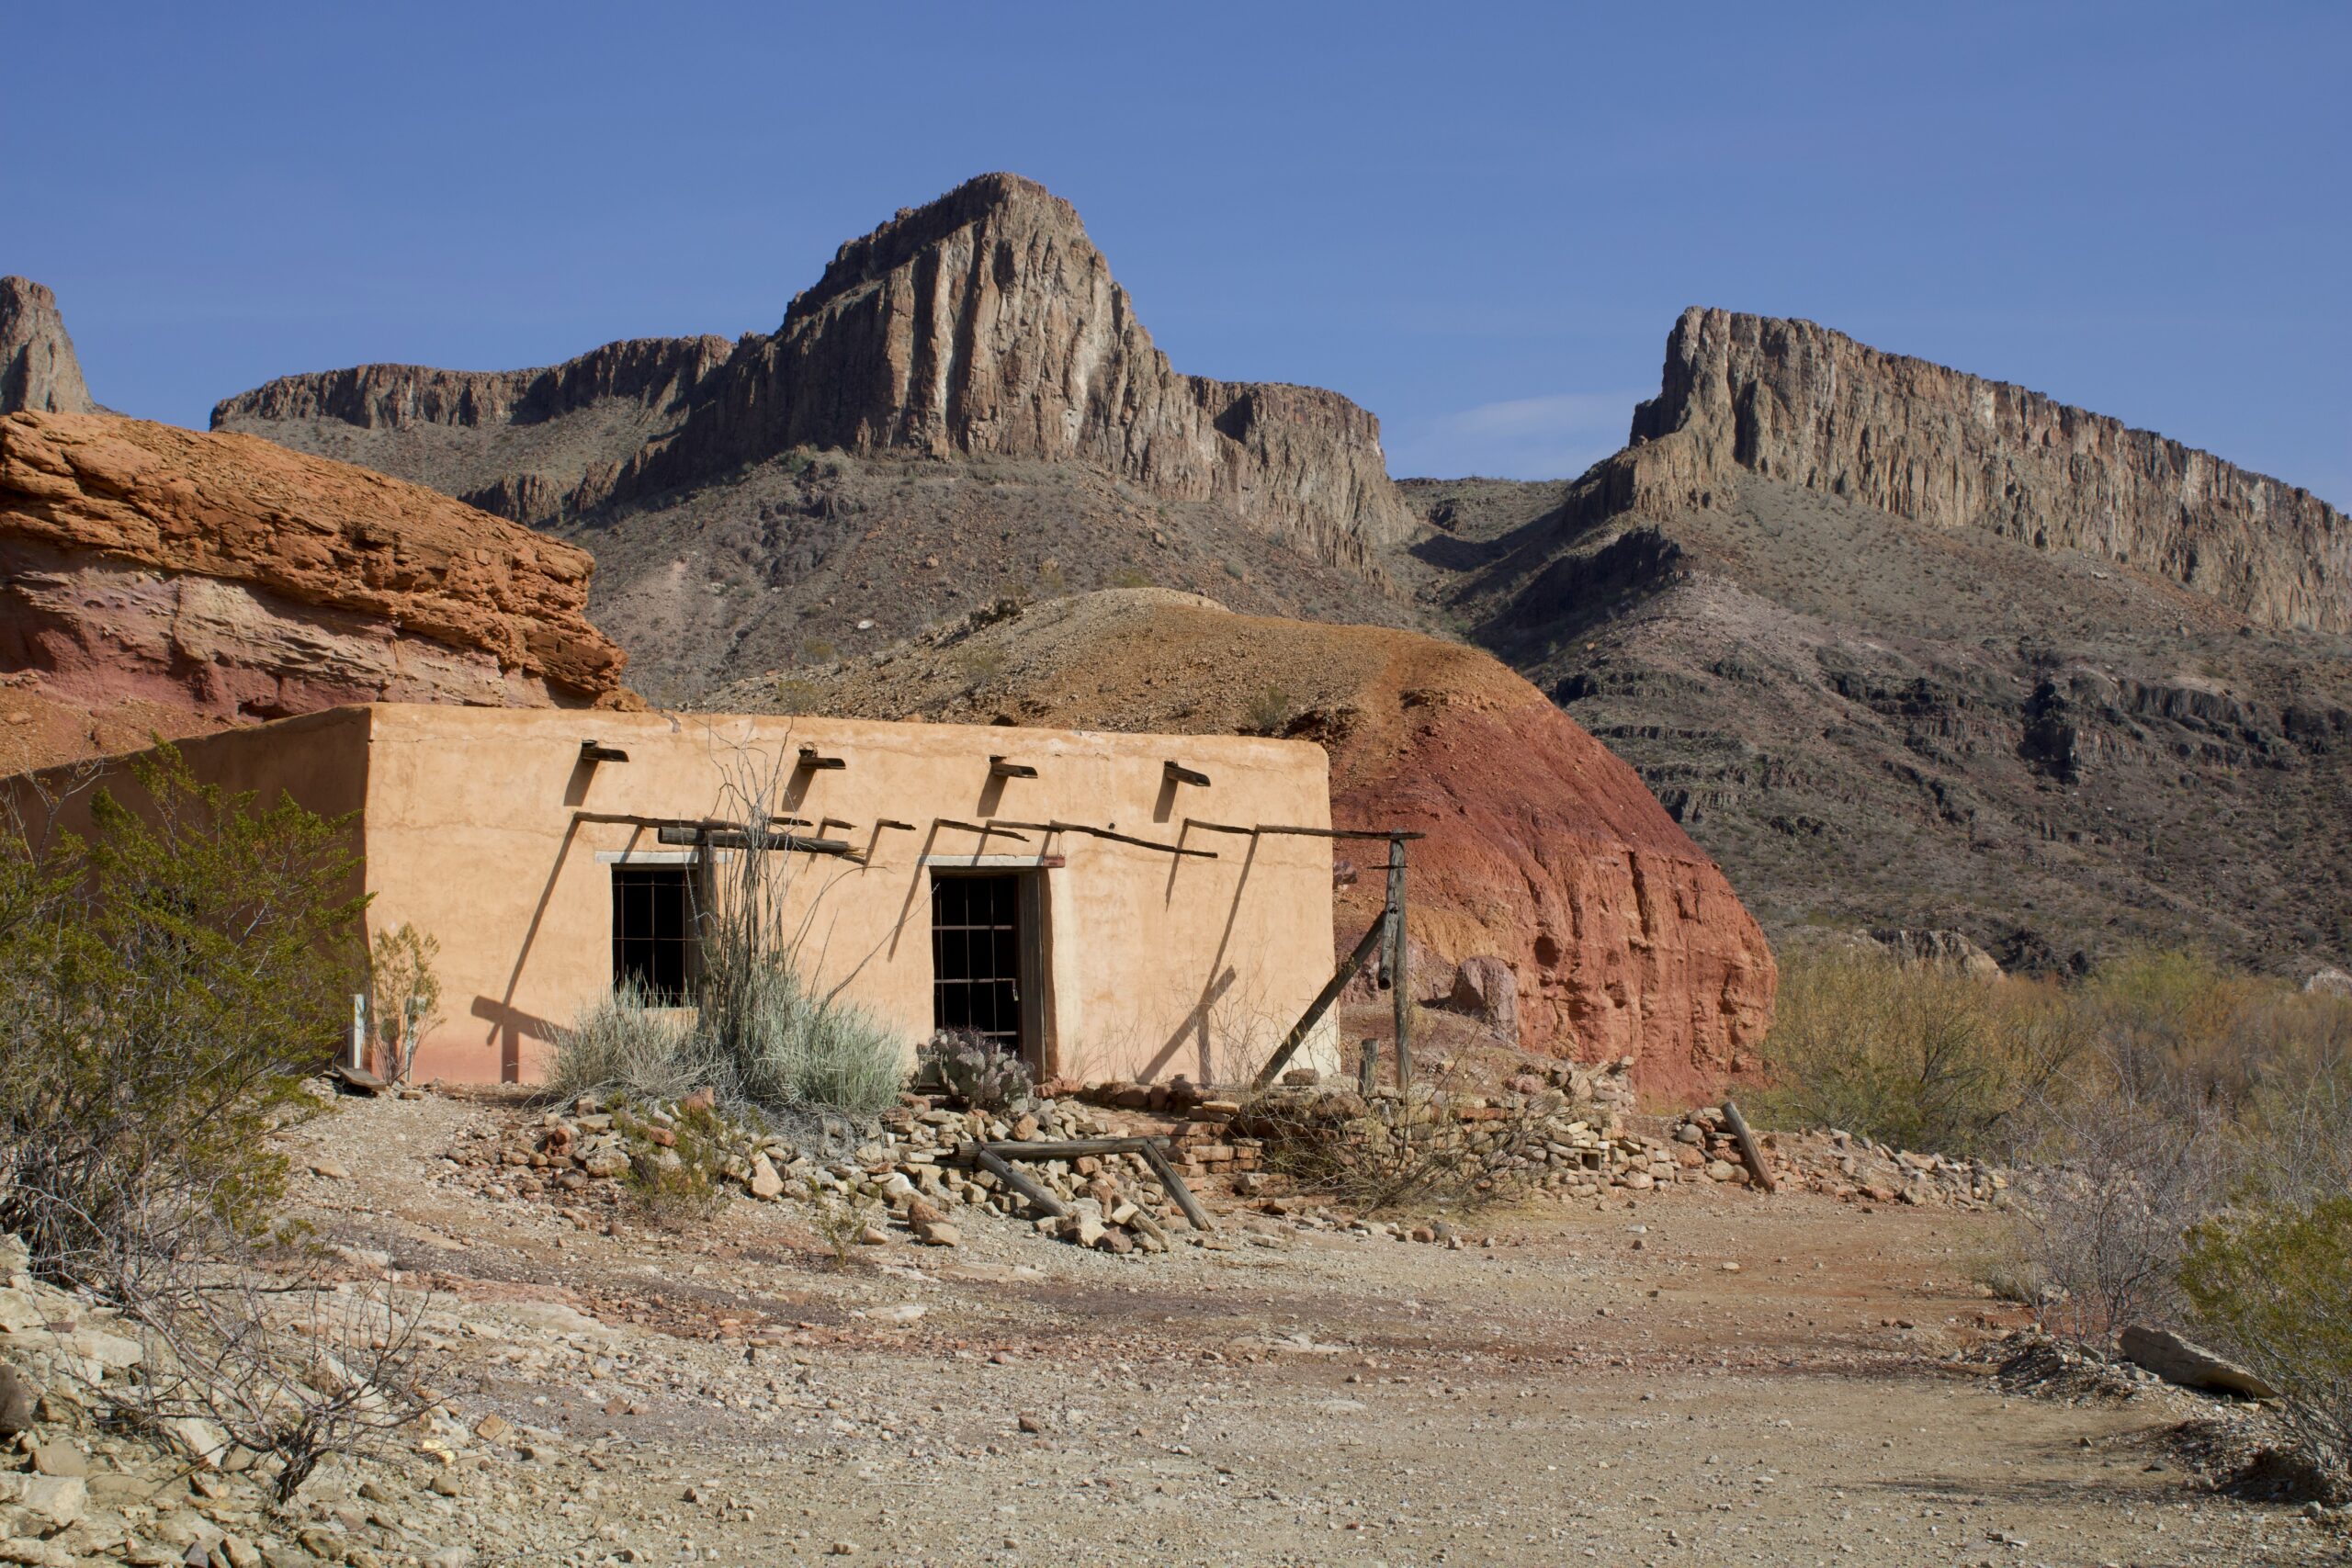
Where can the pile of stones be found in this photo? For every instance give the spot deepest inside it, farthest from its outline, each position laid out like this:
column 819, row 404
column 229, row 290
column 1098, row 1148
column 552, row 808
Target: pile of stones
column 75, row 1487
column 913, row 1169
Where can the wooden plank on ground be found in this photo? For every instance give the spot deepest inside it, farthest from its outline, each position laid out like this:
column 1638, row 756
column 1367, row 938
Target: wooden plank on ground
column 1037, row 1196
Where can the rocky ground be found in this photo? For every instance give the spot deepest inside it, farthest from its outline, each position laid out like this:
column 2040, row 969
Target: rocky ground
column 1691, row 1374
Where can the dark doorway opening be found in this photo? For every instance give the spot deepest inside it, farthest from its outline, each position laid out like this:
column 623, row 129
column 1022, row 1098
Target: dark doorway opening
column 653, row 922
column 980, row 966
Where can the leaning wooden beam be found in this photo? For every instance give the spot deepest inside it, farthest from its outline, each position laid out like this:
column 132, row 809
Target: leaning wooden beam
column 1037, row 1196
column 1323, row 1000
column 1219, row 828
column 1118, row 837
column 1153, row 1156
column 1749, row 1150
column 1162, row 1167
column 982, row 829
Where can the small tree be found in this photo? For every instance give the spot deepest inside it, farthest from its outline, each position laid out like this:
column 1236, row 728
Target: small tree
column 2275, row 1288
column 405, row 993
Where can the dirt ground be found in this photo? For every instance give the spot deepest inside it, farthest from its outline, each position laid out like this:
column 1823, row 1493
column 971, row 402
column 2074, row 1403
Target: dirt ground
column 1583, row 1384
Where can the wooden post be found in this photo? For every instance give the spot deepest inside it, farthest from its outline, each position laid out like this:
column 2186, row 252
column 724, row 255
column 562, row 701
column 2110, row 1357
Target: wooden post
column 1749, row 1150
column 1037, row 1195
column 1323, row 1000
column 1400, row 980
column 1158, row 1159
column 1368, row 1069
column 358, row 1057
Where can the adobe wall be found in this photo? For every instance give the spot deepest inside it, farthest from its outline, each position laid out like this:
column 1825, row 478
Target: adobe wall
column 482, row 827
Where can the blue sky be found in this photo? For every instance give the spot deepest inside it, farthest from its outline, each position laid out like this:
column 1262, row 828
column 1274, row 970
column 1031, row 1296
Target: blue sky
column 1479, row 221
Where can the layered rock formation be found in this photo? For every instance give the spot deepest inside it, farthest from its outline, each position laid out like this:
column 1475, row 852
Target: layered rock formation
column 38, row 368
column 1796, row 402
column 983, row 325
column 534, row 446
column 229, row 577
column 1542, row 850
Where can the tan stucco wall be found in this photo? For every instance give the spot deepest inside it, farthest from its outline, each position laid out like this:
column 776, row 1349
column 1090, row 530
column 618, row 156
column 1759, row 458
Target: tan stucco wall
column 480, row 830
column 479, row 826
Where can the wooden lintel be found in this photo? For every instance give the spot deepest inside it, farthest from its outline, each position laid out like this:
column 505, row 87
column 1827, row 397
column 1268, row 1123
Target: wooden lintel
column 1005, row 768
column 1177, row 772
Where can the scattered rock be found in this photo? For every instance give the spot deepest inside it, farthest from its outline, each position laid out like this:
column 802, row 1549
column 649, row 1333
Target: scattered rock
column 2189, row 1365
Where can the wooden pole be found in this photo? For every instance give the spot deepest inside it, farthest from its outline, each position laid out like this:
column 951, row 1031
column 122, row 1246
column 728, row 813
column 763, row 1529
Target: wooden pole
column 1368, row 1069
column 1323, row 1000
column 1400, row 980
column 1158, row 1159
column 1037, row 1195
column 1749, row 1150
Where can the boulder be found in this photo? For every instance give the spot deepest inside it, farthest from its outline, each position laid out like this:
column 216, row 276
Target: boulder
column 1485, row 988
column 225, row 576
column 2190, row 1365
column 18, row 1399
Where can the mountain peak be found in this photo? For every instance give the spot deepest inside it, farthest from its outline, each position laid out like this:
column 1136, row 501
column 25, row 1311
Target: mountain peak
column 38, row 368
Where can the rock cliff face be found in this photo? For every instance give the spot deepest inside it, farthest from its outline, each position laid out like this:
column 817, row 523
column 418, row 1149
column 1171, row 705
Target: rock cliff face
column 228, row 576
column 38, row 368
column 530, row 445
column 1542, row 849
column 1799, row 403
column 984, row 325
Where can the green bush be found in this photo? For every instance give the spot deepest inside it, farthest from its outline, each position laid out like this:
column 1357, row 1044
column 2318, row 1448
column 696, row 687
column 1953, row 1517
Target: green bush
column 2274, row 1288
column 679, row 1180
column 165, row 989
column 1919, row 1055
column 783, row 1045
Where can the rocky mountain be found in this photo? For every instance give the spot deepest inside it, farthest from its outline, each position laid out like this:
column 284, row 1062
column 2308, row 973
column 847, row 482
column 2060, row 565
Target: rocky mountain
column 1789, row 400
column 1542, row 850
column 1905, row 648
column 216, row 578
column 38, row 368
column 980, row 340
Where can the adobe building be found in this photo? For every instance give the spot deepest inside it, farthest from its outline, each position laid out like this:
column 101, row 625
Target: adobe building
column 1083, row 898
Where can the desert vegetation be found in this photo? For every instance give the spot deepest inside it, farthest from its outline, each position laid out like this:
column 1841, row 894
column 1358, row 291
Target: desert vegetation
column 2179, row 1128
column 166, row 988
column 764, row 1040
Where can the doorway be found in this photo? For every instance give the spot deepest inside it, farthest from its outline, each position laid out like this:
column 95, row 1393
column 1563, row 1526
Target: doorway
column 984, row 964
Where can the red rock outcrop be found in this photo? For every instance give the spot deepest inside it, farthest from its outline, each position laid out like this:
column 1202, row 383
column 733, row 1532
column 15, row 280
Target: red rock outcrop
column 985, row 323
column 1542, row 849
column 38, row 369
column 1800, row 403
column 231, row 576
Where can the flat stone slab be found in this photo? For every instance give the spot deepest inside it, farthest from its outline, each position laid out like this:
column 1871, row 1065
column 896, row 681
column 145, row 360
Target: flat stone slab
column 2190, row 1365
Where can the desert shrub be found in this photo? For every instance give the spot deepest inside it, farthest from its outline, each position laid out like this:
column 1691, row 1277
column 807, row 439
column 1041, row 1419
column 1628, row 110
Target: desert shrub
column 840, row 1219
column 404, row 994
column 974, row 1069
column 2117, row 1183
column 1919, row 1055
column 678, row 1165
column 1267, row 711
column 623, row 1045
column 781, row 1044
column 762, row 1038
column 167, row 987
column 1128, row 577
column 1393, row 1154
column 2274, row 1288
